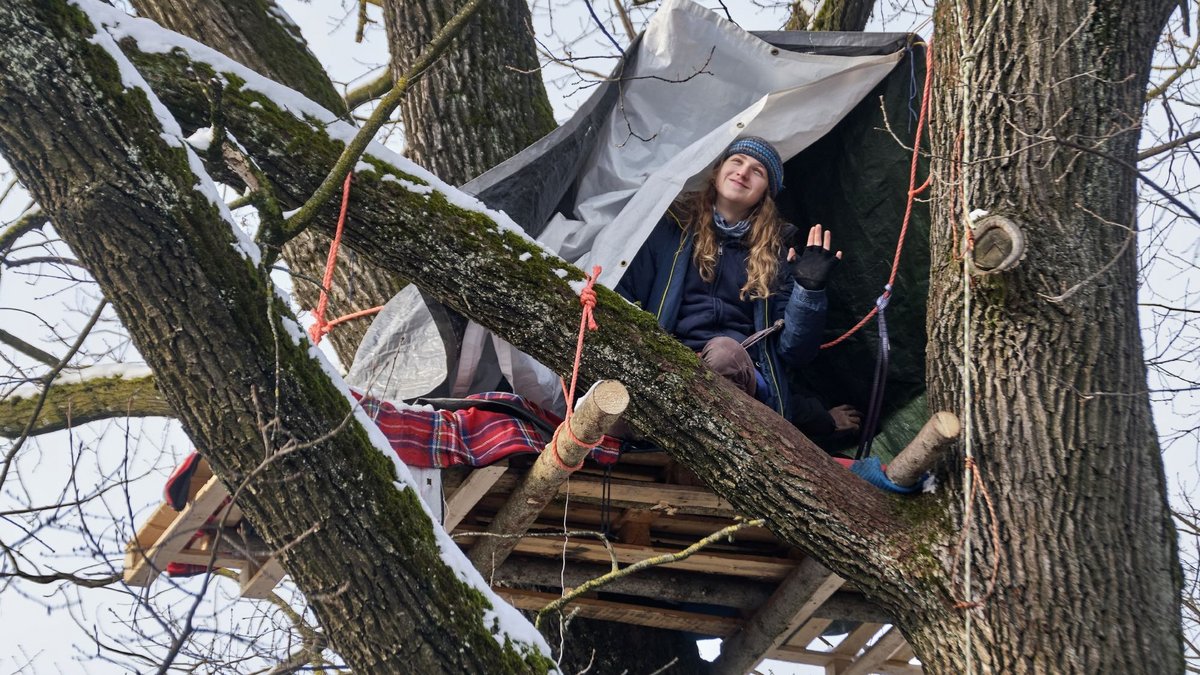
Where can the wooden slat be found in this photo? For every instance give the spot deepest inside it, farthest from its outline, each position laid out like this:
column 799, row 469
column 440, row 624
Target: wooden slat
column 857, row 639
column 905, row 653
column 657, row 617
column 751, row 567
column 257, row 581
column 792, row 604
column 803, row 637
column 669, row 499
column 826, row 659
column 472, row 489
column 877, row 654
column 146, row 555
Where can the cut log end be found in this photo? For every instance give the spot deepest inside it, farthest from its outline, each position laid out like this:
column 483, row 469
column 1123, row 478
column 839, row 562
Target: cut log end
column 925, row 450
column 999, row 245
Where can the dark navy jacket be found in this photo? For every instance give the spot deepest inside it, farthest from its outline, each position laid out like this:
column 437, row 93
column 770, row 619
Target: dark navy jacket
column 655, row 280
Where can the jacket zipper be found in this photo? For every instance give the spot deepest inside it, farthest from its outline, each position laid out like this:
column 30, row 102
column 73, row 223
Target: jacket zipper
column 671, row 277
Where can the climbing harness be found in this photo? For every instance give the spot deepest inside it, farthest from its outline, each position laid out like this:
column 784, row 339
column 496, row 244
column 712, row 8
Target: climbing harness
column 881, row 367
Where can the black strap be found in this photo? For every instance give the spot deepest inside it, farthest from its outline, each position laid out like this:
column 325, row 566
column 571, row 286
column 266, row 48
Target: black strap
column 505, row 407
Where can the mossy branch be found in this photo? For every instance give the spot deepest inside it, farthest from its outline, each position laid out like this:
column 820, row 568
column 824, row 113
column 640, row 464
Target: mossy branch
column 304, row 215
column 78, row 403
column 369, row 91
column 29, row 221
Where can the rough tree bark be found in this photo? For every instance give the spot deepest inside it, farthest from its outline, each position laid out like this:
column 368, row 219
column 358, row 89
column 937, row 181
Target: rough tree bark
column 255, row 35
column 488, row 99
column 847, row 15
column 208, row 323
column 1052, row 94
column 896, row 550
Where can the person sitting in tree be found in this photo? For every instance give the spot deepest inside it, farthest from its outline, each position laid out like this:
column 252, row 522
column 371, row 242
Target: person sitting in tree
column 717, row 275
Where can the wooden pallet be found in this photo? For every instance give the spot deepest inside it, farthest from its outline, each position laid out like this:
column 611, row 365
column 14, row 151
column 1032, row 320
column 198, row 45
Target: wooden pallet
column 765, row 599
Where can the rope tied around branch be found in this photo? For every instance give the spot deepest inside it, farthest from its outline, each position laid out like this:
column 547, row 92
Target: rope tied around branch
column 587, row 321
column 321, row 327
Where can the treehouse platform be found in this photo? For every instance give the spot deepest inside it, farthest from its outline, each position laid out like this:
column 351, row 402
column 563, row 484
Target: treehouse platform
column 763, row 597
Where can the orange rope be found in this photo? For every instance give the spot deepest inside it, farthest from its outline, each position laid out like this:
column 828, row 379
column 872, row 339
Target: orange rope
column 976, row 488
column 913, row 191
column 587, row 298
column 319, row 329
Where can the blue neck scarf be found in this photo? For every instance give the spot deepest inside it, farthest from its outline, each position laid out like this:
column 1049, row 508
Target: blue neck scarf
column 735, row 231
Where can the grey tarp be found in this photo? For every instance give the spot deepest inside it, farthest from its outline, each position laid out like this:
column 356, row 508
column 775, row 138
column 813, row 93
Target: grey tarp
column 694, row 81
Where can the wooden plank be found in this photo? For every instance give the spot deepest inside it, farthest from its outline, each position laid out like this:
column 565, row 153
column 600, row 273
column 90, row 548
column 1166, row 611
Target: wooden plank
column 144, row 559
column 905, row 653
column 857, row 639
column 802, row 638
column 877, row 654
column 199, row 557
column 638, row 615
column 633, row 527
column 826, row 659
column 751, row 567
column 258, row 580
column 669, row 499
column 792, row 604
column 473, row 488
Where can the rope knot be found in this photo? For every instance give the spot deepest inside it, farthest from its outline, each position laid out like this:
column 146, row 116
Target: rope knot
column 587, row 298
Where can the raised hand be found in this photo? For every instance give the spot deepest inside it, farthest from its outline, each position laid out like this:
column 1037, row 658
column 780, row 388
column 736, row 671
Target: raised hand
column 812, row 267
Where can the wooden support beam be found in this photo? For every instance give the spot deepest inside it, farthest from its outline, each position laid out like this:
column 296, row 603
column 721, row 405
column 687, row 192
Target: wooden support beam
column 831, row 661
column 633, row 527
column 674, row 585
column 857, row 639
column 155, row 544
column 473, row 488
column 258, row 580
column 600, row 408
column 638, row 615
column 791, row 606
column 750, row 567
column 925, row 450
column 878, row 653
column 668, row 499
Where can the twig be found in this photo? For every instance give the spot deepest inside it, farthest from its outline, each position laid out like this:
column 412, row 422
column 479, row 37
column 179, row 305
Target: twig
column 625, row 20
column 664, row 559
column 47, row 379
column 305, row 214
column 1169, row 145
column 27, row 349
column 600, row 25
column 369, row 91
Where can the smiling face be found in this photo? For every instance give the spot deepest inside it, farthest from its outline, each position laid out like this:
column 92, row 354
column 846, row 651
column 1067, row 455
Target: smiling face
column 741, row 182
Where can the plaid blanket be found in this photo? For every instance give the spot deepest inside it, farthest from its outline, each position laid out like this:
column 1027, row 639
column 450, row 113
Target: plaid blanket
column 470, row 436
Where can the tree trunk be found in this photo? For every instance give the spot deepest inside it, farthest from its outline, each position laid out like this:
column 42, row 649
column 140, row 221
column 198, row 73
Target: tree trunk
column 256, row 35
column 84, row 140
column 487, row 96
column 1081, row 590
column 1062, row 434
column 512, row 287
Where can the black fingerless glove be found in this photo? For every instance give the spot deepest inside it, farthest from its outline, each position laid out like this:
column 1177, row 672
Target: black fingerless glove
column 812, row 267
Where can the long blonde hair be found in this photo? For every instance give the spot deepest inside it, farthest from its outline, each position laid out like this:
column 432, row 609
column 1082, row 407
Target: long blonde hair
column 765, row 239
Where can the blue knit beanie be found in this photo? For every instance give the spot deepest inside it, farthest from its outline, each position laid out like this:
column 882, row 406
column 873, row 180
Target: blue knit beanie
column 753, row 146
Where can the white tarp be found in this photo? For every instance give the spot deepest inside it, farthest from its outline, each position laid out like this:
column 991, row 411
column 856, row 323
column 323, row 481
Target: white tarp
column 699, row 81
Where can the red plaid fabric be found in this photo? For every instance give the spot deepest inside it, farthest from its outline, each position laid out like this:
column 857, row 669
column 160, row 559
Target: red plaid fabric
column 474, row 437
